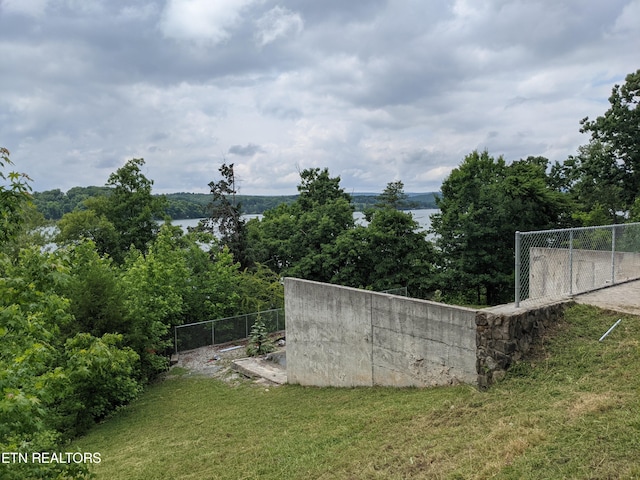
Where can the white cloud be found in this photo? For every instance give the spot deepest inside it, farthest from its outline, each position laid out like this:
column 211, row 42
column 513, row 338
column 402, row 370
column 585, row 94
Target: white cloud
column 375, row 91
column 202, row 20
column 277, row 23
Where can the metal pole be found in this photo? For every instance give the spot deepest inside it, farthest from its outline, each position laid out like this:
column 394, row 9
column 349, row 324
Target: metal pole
column 610, row 330
column 571, row 262
column 175, row 338
column 613, row 254
column 517, row 269
column 213, row 333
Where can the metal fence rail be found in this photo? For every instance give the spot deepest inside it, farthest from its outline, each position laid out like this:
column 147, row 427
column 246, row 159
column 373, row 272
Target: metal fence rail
column 557, row 263
column 400, row 291
column 223, row 330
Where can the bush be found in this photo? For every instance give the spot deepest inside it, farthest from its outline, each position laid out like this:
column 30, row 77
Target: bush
column 259, row 341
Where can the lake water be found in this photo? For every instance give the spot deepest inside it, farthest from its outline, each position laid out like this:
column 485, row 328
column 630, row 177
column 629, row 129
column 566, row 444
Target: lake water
column 422, row 216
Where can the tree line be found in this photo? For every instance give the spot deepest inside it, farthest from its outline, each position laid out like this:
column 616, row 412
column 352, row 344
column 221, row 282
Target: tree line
column 84, row 327
column 53, row 204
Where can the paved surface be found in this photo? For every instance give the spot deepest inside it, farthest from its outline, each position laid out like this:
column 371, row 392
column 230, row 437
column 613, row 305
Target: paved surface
column 624, row 298
column 259, row 367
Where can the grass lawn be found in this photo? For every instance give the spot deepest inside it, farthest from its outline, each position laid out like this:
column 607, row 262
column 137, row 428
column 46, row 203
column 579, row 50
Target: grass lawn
column 572, row 412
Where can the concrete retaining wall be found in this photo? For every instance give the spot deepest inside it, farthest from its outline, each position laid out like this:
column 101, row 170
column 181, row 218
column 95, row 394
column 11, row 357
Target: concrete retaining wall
column 340, row 336
column 346, row 337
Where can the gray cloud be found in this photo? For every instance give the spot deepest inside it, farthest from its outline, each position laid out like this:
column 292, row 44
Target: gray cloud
column 248, row 150
column 377, row 91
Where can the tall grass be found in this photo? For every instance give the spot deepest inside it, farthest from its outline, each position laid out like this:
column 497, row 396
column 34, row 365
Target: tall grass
column 571, row 412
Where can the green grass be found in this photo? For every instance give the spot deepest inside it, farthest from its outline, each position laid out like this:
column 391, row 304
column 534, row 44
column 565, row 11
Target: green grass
column 572, row 412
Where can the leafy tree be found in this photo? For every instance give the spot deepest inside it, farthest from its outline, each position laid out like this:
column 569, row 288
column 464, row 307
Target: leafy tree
column 13, row 197
column 81, row 225
column 619, row 130
column 97, row 376
column 124, row 218
column 95, row 292
column 32, row 317
column 389, row 252
column 154, row 284
column 483, row 203
column 604, row 178
column 289, row 239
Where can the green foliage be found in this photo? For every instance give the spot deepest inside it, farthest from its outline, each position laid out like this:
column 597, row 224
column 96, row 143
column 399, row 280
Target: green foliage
column 88, row 225
column 31, row 317
column 604, row 178
column 98, row 375
column 484, row 202
column 394, row 197
column 131, row 208
column 95, row 292
column 154, row 284
column 259, row 341
column 389, row 252
column 53, row 204
column 225, row 216
column 13, row 197
column 124, row 218
column 289, row 239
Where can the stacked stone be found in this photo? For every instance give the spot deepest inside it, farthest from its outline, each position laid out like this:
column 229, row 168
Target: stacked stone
column 504, row 337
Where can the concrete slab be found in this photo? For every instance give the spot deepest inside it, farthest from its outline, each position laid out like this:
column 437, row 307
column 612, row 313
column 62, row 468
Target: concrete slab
column 624, row 297
column 259, row 367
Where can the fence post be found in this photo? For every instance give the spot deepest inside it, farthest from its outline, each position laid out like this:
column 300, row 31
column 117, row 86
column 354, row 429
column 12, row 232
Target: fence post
column 175, row 338
column 517, row 269
column 213, row 333
column 613, row 254
column 571, row 261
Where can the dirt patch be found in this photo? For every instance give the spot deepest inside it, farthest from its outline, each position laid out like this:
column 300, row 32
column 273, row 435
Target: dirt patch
column 210, row 361
column 215, row 362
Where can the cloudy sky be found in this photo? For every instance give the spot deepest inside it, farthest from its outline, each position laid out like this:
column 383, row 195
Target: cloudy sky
column 375, row 90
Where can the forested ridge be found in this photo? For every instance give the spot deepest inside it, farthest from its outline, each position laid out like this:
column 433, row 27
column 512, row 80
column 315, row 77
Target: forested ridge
column 86, row 325
column 53, row 204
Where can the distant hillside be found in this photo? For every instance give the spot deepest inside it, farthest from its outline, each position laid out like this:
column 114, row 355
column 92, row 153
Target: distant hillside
column 55, row 203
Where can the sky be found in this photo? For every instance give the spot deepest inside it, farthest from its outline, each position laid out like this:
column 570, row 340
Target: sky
column 375, row 90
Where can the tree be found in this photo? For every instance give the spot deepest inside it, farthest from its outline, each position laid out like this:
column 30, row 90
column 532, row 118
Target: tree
column 225, row 215
column 483, row 203
column 78, row 226
column 95, row 292
column 13, row 198
column 394, row 197
column 290, row 238
column 604, row 178
column 130, row 208
column 387, row 253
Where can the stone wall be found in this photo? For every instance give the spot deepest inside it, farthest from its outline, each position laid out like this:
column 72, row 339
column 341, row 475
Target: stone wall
column 506, row 334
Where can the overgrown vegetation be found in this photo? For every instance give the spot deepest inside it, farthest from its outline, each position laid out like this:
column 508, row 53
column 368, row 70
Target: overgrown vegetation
column 571, row 412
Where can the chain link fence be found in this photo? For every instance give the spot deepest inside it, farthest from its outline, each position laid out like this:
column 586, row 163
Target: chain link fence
column 557, row 263
column 224, row 330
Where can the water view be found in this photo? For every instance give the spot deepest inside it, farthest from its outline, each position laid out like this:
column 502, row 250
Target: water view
column 422, row 216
